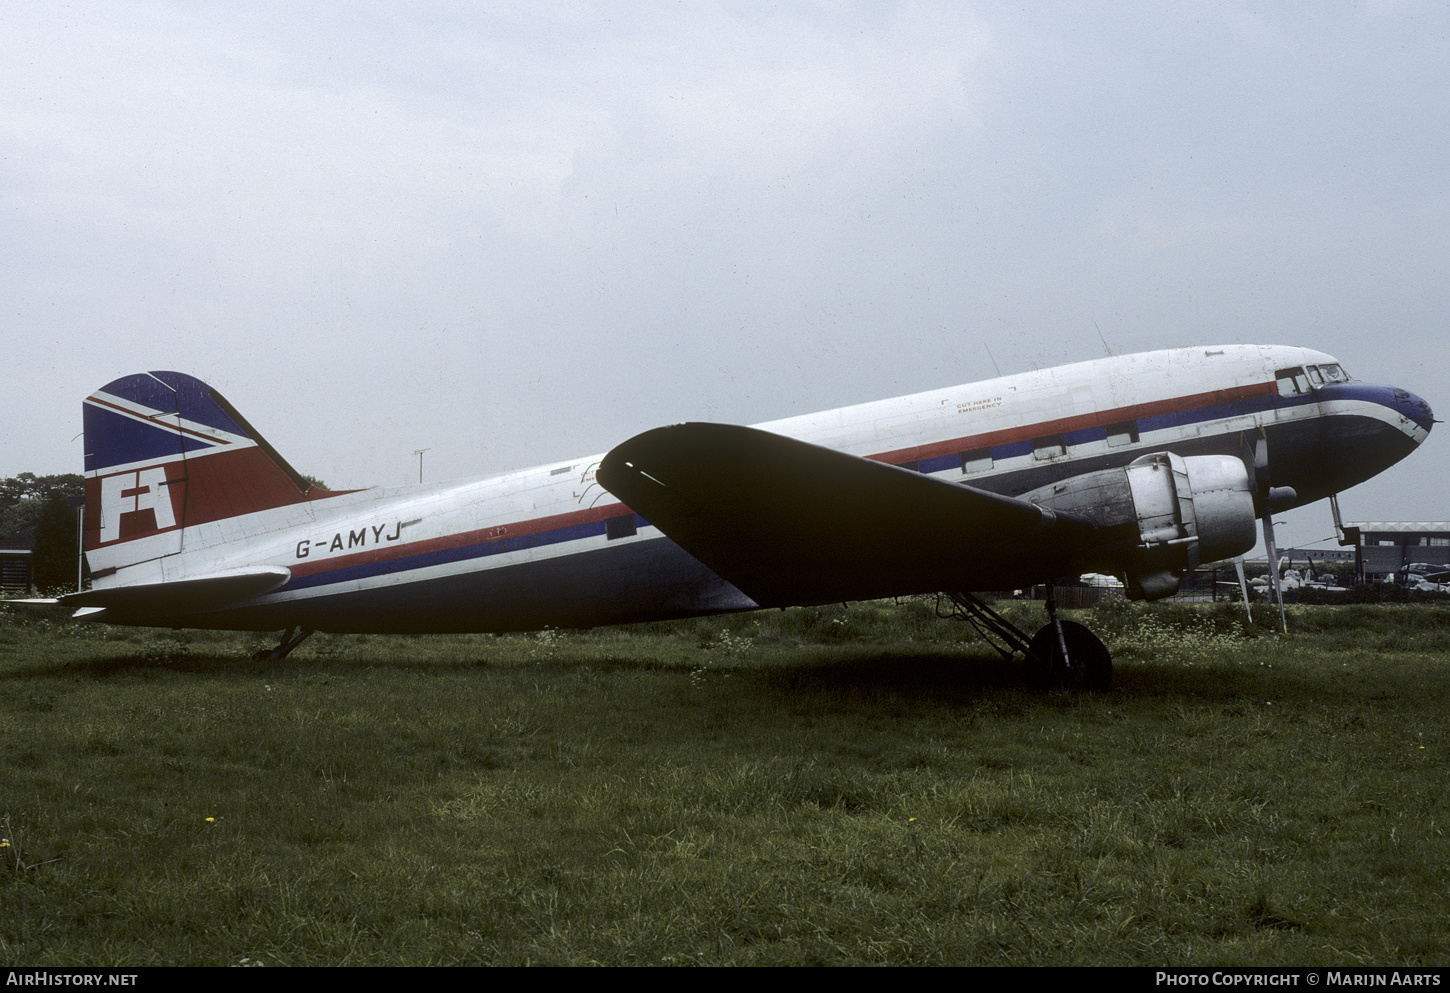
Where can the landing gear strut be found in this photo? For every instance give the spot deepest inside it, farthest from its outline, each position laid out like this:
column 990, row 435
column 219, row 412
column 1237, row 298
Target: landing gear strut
column 1061, row 653
column 1067, row 654
column 287, row 644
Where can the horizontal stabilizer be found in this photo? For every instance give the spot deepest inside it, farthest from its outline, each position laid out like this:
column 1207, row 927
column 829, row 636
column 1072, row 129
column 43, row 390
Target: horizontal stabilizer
column 792, row 523
column 182, row 596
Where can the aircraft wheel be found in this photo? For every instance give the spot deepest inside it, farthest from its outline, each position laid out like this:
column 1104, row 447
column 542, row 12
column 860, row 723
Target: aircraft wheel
column 1091, row 668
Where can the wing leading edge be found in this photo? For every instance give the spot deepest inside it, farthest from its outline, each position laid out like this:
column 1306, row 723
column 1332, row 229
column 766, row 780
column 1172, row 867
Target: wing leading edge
column 791, row 523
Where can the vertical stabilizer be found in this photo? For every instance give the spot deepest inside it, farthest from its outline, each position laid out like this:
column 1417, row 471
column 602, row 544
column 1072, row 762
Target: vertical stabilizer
column 165, row 452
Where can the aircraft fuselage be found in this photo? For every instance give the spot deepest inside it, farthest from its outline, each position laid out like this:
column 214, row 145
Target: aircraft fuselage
column 548, row 546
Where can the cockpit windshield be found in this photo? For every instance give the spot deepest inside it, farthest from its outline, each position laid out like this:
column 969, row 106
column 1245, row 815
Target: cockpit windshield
column 1299, row 380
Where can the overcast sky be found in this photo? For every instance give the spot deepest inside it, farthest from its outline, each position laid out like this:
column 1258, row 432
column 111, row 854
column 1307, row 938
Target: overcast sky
column 519, row 233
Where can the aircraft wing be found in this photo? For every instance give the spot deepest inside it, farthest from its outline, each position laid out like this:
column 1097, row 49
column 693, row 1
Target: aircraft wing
column 791, row 523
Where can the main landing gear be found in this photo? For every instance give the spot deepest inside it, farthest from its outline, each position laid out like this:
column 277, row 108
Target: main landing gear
column 1061, row 653
column 288, row 643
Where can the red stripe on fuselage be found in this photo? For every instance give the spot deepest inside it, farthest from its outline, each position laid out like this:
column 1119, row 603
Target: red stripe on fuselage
column 480, row 536
column 555, row 522
column 1081, row 422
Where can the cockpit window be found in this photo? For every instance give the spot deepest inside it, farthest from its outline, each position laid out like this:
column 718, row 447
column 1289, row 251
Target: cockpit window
column 1301, row 379
column 1292, row 382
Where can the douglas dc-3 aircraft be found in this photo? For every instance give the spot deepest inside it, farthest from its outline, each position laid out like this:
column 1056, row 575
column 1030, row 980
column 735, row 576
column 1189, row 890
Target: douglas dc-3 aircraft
column 1141, row 465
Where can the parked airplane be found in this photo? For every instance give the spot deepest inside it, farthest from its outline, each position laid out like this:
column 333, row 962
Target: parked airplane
column 1142, row 466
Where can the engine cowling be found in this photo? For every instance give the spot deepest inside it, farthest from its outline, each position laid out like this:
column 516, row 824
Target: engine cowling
column 1161, row 515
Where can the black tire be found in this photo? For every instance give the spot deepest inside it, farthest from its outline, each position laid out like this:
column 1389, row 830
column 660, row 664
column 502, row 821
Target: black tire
column 1091, row 666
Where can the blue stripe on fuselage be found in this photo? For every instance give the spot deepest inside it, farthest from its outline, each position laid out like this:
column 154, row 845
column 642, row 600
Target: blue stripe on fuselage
column 446, row 556
column 1000, row 453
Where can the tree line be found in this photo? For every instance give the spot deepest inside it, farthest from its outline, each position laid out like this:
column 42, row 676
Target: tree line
column 42, row 505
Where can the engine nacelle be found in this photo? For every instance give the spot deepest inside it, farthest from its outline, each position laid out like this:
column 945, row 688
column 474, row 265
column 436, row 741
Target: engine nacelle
column 1161, row 515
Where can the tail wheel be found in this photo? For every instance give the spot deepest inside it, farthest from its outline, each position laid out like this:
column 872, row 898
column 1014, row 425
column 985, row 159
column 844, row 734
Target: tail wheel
column 1088, row 666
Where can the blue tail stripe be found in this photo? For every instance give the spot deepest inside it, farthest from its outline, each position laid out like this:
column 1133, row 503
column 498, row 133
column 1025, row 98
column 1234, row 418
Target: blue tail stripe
column 115, row 439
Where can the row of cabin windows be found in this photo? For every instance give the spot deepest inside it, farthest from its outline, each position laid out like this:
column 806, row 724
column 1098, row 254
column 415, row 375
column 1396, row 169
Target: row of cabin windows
column 1050, row 447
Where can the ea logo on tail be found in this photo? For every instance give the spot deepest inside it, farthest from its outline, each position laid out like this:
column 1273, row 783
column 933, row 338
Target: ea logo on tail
column 129, row 493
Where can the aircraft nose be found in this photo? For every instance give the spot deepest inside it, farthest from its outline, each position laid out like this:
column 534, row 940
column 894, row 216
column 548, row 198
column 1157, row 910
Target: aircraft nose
column 1416, row 415
column 1367, row 429
column 1413, row 408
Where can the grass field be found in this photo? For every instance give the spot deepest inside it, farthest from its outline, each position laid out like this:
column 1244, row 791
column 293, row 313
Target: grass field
column 840, row 786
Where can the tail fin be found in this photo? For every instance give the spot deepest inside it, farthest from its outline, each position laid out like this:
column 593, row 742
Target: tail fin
column 164, row 452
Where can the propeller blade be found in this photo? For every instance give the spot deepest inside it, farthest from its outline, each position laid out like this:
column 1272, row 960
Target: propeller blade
column 1261, row 462
column 1274, row 568
column 1243, row 587
column 1266, row 496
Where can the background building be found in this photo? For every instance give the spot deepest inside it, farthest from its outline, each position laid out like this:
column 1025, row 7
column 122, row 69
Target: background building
column 1387, row 547
column 15, row 572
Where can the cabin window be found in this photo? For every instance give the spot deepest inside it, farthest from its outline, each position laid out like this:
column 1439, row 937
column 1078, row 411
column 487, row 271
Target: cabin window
column 1123, row 433
column 979, row 460
column 1315, row 378
column 1049, row 448
column 619, row 527
column 1334, row 373
column 1292, row 382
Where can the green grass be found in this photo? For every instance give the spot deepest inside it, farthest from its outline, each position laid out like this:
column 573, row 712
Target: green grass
column 840, row 786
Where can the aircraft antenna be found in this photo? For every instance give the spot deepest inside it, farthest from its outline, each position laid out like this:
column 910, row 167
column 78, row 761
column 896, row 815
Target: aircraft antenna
column 1102, row 339
column 419, row 452
column 994, row 361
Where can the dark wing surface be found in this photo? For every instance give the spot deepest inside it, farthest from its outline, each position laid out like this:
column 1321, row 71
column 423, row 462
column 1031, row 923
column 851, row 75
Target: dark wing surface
column 792, row 523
